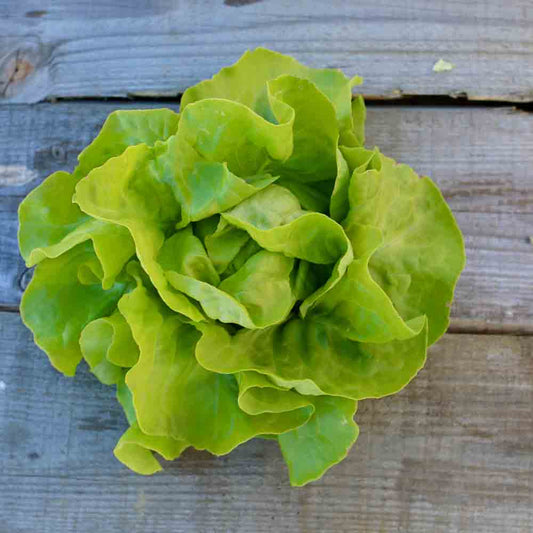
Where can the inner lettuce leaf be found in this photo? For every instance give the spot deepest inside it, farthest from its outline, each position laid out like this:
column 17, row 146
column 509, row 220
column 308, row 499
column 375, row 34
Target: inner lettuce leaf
column 244, row 268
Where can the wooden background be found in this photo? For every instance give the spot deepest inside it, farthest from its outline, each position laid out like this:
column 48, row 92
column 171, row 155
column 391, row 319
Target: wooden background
column 453, row 452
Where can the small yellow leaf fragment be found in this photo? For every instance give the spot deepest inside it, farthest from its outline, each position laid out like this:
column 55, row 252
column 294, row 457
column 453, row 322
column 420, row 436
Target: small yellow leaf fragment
column 443, row 66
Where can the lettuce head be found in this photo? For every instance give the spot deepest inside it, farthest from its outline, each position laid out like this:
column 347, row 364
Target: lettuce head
column 243, row 268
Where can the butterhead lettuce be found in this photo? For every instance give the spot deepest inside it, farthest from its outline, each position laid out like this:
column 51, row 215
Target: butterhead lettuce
column 244, row 268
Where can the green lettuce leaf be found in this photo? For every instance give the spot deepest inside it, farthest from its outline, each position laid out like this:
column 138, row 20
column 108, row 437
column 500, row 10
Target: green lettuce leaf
column 327, row 437
column 134, row 449
column 175, row 396
column 48, row 232
column 107, row 345
column 357, row 306
column 64, row 295
column 258, row 394
column 247, row 82
column 422, row 252
column 314, row 358
column 126, row 128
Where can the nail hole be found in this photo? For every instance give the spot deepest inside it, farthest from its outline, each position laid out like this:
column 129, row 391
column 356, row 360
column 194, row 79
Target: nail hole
column 58, row 153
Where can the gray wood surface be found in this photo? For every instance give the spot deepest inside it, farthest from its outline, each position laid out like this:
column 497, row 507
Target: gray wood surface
column 451, row 453
column 60, row 48
column 481, row 158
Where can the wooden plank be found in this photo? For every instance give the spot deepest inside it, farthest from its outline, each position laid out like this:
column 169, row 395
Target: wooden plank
column 452, row 453
column 481, row 158
column 59, row 48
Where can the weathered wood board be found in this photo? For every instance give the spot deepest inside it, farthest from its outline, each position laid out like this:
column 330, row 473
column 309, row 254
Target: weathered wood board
column 451, row 453
column 60, row 48
column 481, row 158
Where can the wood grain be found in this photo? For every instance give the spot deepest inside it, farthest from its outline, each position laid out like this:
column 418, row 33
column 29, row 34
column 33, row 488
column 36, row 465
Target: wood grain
column 452, row 453
column 59, row 48
column 481, row 158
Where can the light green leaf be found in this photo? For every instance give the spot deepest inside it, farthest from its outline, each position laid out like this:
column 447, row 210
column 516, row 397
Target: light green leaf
column 422, row 253
column 273, row 219
column 357, row 306
column 126, row 128
column 175, row 397
column 134, row 449
column 315, row 131
column 107, row 345
column 50, row 224
column 258, row 295
column 310, row 171
column 322, row 442
column 225, row 131
column 56, row 306
column 95, row 341
column 314, row 358
column 127, row 190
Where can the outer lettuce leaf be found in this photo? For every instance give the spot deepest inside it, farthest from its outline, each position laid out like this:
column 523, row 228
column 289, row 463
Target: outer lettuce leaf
column 260, row 80
column 56, row 306
column 134, row 449
column 127, row 128
column 326, row 438
column 357, row 306
column 422, row 253
column 174, row 396
column 312, row 448
column 314, row 358
column 50, row 225
column 226, row 131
